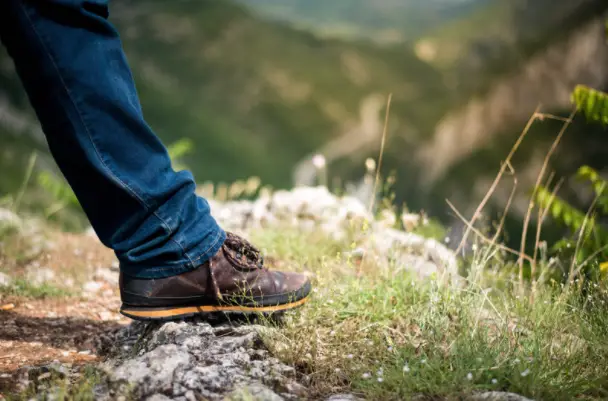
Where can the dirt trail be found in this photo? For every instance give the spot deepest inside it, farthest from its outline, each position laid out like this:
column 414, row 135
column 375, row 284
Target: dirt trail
column 67, row 329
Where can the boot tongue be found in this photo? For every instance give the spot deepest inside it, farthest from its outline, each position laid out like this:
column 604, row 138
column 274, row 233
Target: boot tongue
column 242, row 252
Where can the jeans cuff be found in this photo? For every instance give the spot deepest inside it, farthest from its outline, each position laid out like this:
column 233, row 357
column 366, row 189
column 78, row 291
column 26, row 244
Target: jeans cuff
column 187, row 265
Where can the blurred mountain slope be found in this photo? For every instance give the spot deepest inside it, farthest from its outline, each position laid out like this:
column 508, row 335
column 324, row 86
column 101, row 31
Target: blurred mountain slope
column 253, row 96
column 259, row 97
column 379, row 20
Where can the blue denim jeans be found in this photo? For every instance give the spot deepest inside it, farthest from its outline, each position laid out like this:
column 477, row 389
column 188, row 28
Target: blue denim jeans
column 72, row 65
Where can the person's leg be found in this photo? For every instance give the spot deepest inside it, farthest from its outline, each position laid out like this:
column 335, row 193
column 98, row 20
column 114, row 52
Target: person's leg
column 71, row 62
column 175, row 261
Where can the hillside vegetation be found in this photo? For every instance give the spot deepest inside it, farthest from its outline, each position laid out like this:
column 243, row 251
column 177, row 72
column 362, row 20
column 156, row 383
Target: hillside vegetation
column 256, row 97
column 384, row 21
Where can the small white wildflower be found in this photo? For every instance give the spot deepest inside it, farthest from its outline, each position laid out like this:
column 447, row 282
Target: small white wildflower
column 469, row 376
column 337, row 370
column 423, row 361
column 525, row 373
column 318, row 161
column 332, row 333
column 446, row 240
column 370, row 164
column 406, row 368
column 390, row 349
column 474, row 247
column 366, row 375
column 380, row 380
column 494, row 381
column 349, row 356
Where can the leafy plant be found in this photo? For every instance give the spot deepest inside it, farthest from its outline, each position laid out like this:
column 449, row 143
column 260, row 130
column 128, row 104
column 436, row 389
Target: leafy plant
column 587, row 236
column 592, row 103
column 177, row 150
column 62, row 193
column 587, row 241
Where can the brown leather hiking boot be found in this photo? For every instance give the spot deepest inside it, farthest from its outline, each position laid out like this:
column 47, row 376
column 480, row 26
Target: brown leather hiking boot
column 234, row 280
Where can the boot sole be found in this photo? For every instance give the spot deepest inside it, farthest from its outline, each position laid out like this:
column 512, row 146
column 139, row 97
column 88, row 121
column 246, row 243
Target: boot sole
column 176, row 313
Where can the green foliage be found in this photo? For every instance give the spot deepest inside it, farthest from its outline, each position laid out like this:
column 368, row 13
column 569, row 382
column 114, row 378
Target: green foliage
column 560, row 210
column 587, row 236
column 422, row 340
column 587, row 239
column 177, row 150
column 24, row 288
column 593, row 103
column 62, row 194
column 56, row 387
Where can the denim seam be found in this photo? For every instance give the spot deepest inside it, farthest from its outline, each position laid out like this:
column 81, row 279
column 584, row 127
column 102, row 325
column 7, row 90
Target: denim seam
column 112, row 174
column 215, row 241
column 162, row 269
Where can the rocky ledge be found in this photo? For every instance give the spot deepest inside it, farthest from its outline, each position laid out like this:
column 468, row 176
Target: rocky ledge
column 190, row 361
column 194, row 361
column 309, row 209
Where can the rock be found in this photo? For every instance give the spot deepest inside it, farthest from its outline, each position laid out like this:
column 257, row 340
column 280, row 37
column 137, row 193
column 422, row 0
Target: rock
column 9, row 221
column 424, row 257
column 190, row 360
column 254, row 392
column 106, row 275
column 5, row 280
column 39, row 275
column 302, row 207
column 154, row 371
column 496, row 396
column 91, row 287
column 315, row 208
column 158, row 397
column 343, row 397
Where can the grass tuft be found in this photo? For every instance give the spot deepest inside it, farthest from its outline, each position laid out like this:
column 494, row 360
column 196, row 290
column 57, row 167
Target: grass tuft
column 385, row 336
column 21, row 287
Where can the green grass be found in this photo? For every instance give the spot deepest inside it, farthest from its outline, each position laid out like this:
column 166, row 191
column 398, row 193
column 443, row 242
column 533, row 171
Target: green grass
column 80, row 389
column 23, row 288
column 419, row 338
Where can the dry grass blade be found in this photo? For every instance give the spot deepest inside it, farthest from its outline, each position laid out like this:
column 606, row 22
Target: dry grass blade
column 501, row 172
column 542, row 215
column 482, row 236
column 384, row 131
column 507, row 206
column 581, row 237
column 539, row 179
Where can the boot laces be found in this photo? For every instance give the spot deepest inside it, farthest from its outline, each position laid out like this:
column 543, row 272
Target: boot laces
column 244, row 252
